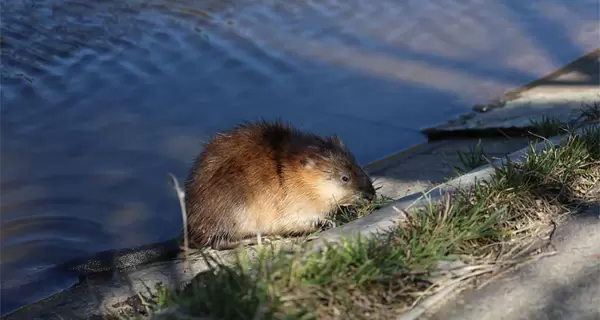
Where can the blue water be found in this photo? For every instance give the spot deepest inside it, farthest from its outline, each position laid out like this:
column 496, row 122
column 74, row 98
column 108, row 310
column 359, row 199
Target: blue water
column 102, row 99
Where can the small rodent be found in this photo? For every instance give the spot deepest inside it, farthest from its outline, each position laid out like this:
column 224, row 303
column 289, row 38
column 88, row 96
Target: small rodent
column 262, row 177
column 269, row 178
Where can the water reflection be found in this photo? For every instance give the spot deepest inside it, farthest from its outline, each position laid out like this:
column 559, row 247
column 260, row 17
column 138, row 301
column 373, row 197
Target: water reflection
column 102, row 99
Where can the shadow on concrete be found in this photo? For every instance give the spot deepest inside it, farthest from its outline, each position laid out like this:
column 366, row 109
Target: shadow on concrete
column 561, row 286
column 577, row 298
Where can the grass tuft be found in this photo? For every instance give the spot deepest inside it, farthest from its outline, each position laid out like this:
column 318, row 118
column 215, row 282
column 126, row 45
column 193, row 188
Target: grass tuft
column 471, row 159
column 591, row 112
column 348, row 214
column 549, row 127
column 488, row 227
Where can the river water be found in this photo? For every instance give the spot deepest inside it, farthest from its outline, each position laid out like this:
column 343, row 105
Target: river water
column 102, row 99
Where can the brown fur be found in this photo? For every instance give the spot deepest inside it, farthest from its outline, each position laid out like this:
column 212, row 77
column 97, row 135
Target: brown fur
column 270, row 178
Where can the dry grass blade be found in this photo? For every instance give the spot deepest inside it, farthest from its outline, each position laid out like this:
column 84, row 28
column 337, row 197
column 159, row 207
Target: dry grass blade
column 181, row 198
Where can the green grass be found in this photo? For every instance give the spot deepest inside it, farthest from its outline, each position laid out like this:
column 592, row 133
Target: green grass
column 491, row 224
column 591, row 112
column 548, row 127
column 471, row 159
column 348, row 214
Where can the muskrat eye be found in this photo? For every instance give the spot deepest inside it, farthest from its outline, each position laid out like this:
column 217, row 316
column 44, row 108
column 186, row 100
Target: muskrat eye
column 345, row 179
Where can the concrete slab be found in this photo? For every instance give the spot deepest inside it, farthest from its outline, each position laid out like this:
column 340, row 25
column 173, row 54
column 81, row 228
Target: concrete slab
column 559, row 94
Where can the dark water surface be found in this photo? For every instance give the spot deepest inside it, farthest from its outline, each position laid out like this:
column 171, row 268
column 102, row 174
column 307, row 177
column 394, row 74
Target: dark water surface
column 102, row 99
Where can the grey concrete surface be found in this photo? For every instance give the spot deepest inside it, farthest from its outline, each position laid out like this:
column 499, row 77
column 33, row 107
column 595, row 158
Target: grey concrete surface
column 565, row 286
column 430, row 164
column 529, row 107
column 560, row 94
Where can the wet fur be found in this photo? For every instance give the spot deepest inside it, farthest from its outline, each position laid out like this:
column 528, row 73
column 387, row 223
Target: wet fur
column 270, row 178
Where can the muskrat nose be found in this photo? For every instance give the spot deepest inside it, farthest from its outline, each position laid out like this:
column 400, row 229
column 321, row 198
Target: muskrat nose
column 369, row 195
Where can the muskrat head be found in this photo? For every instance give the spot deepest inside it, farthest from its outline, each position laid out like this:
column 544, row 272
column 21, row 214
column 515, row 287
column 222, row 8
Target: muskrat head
column 340, row 179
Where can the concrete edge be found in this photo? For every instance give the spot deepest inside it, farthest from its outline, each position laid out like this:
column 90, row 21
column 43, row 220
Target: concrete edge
column 515, row 94
column 509, row 121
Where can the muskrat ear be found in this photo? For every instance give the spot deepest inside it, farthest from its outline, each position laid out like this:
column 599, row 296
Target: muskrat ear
column 307, row 162
column 337, row 141
column 311, row 155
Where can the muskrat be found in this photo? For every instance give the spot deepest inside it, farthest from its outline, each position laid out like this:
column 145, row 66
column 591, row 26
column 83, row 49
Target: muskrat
column 262, row 178
column 268, row 178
